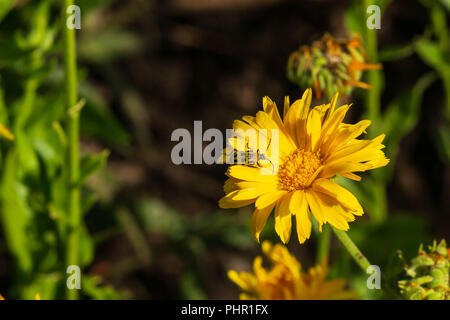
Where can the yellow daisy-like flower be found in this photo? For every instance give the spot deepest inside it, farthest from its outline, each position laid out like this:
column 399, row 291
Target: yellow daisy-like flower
column 314, row 145
column 286, row 281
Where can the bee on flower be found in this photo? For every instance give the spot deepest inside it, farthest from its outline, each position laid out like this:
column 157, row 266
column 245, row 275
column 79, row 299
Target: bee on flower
column 285, row 280
column 313, row 146
column 330, row 65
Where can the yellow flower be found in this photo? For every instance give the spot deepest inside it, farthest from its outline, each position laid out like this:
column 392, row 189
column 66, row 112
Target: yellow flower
column 314, row 145
column 286, row 281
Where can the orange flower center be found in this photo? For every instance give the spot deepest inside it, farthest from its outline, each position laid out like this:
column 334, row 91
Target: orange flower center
column 297, row 170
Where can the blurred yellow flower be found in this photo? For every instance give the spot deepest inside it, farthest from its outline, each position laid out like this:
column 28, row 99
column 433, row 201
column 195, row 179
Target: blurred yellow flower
column 37, row 296
column 286, row 281
column 314, row 145
column 5, row 133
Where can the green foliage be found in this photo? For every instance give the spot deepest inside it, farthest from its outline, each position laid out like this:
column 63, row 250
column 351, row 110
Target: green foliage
column 402, row 114
column 192, row 237
column 34, row 171
column 433, row 48
column 5, row 6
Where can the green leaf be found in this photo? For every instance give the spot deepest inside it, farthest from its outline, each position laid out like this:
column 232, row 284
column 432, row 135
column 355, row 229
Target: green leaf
column 431, row 54
column 3, row 109
column 44, row 285
column 5, row 6
column 190, row 286
column 86, row 247
column 15, row 215
column 97, row 121
column 26, row 154
column 446, row 4
column 91, row 286
column 91, row 164
column 396, row 52
column 403, row 113
column 395, row 269
column 354, row 18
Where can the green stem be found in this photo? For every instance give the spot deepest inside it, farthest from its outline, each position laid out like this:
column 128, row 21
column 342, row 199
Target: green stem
column 73, row 147
column 360, row 259
column 373, row 76
column 323, row 246
column 379, row 210
column 373, row 107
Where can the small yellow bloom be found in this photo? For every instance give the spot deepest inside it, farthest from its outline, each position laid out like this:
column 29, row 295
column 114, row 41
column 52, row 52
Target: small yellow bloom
column 314, row 145
column 286, row 281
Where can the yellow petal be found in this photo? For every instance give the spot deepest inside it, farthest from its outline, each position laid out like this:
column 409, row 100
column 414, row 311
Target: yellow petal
column 228, row 203
column 316, row 209
column 271, row 109
column 299, row 207
column 268, row 199
column 342, row 195
column 331, row 211
column 236, row 278
column 230, row 185
column 283, row 219
column 250, row 174
column 286, row 106
column 259, row 219
column 352, row 131
column 351, row 176
column 351, row 151
column 313, row 129
column 331, row 125
column 330, row 170
column 302, row 106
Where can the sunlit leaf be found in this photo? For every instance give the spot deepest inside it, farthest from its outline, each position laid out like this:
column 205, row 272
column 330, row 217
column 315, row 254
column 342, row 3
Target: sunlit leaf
column 5, row 6
column 15, row 214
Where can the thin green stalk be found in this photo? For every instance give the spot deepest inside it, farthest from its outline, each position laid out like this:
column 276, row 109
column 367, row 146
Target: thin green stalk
column 373, row 76
column 323, row 246
column 73, row 146
column 373, row 107
column 360, row 259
